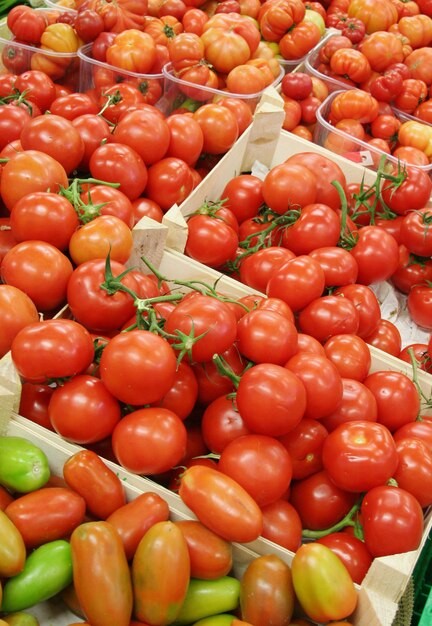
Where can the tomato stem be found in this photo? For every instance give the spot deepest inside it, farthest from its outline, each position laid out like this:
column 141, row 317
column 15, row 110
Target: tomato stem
column 350, row 519
column 347, row 241
column 225, row 370
column 414, row 364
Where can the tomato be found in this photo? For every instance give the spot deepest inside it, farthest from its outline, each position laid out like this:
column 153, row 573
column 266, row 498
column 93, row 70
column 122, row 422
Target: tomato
column 340, row 267
column 298, row 282
column 83, row 411
column 219, row 127
column 419, row 305
column 328, row 316
column 266, row 591
column 146, row 133
column 160, row 438
column 94, row 130
column 390, row 389
column 221, row 504
column 106, row 234
column 22, row 266
column 39, row 88
column 360, row 455
column 132, row 50
column 420, row 430
column 91, row 305
column 221, row 423
column 210, row 240
column 376, row 253
column 170, row 181
column 289, row 184
column 380, row 508
column 211, row 384
column 88, row 25
column 412, row 194
column 304, row 444
column 118, row 163
column 29, row 171
column 297, row 85
column 243, row 195
column 351, row 551
column 182, row 396
column 52, row 349
column 325, row 591
column 317, row 226
column 351, row 63
column 282, row 524
column 210, row 320
column 415, row 233
column 26, row 24
column 144, row 207
column 13, row 549
column 319, row 502
column 63, row 510
column 421, row 355
column 101, row 574
column 17, row 310
column 354, row 104
column 386, row 337
column 387, row 86
column 269, row 467
column 317, row 372
column 47, row 571
column 271, row 389
column 413, row 472
column 34, row 403
column 186, row 138
column 105, row 200
column 44, row 216
column 358, row 403
column 210, row 599
column 264, row 336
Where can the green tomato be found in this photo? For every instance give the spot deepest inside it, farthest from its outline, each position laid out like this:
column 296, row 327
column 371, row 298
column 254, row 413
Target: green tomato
column 21, row 619
column 316, row 18
column 47, row 571
column 223, row 619
column 205, row 598
column 23, row 466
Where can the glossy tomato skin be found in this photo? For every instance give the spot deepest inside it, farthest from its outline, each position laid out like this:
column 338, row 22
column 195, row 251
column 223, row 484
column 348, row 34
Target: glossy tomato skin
column 101, row 574
column 420, row 305
column 264, row 336
column 358, row 403
column 221, row 504
column 261, row 464
column 160, row 574
column 266, row 591
column 221, row 423
column 118, row 163
column 138, row 367
column 267, row 389
column 398, row 401
column 386, row 337
column 376, row 253
column 207, row 598
column 243, row 195
column 83, row 410
column 102, row 490
column 367, row 305
column 170, row 181
column 159, row 436
column 414, row 470
column 298, row 282
column 47, row 514
column 350, row 354
column 282, row 524
column 328, row 316
column 360, row 455
column 17, row 310
column 13, row 549
column 304, row 444
column 352, row 552
column 413, row 193
column 322, row 583
column 210, row 555
column 380, row 509
column 52, row 349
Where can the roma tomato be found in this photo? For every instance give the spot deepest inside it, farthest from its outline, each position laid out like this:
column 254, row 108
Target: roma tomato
column 132, row 519
column 210, row 555
column 322, row 583
column 221, row 504
column 17, row 310
column 106, row 234
column 266, row 591
column 13, row 549
column 282, row 524
column 97, row 484
column 360, row 455
column 160, row 574
column 47, row 514
column 101, row 574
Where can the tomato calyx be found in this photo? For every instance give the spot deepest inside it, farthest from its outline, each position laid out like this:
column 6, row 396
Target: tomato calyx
column 350, row 519
column 18, row 98
column 211, row 209
column 86, row 211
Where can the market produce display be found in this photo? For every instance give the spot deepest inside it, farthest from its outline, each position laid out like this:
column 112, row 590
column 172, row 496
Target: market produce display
column 209, row 415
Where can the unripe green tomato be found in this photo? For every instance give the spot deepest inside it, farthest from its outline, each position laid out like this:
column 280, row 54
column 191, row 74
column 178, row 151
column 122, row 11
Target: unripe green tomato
column 205, row 598
column 21, row 619
column 23, row 466
column 47, row 571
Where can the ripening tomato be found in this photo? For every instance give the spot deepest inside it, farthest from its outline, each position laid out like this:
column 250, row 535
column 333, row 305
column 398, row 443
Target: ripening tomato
column 210, row 555
column 17, row 310
column 106, row 234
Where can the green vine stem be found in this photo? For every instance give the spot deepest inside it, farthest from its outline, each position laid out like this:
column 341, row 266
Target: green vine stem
column 350, row 519
column 427, row 401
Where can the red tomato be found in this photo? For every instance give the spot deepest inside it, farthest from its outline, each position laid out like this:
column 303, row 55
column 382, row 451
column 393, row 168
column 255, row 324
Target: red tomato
column 298, row 282
column 289, row 184
column 34, row 403
column 358, row 403
column 257, row 268
column 351, row 551
column 221, row 504
column 386, row 337
column 105, row 200
column 260, row 464
column 360, row 455
column 414, row 470
column 222, row 423
column 17, row 310
column 366, row 304
column 411, row 193
column 160, row 441
column 328, row 316
column 243, row 195
column 304, row 444
column 265, row 336
column 83, row 410
column 340, row 267
column 267, row 389
column 397, row 398
column 118, row 163
column 210, row 555
column 63, row 510
column 219, row 127
column 376, row 253
column 420, row 305
column 350, row 354
column 210, row 240
column 317, row 226
column 170, row 181
column 392, row 521
column 93, row 129
column 282, row 524
column 38, row 86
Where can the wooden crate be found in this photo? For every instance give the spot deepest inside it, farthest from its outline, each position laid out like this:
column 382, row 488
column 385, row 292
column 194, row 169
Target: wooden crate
column 387, row 578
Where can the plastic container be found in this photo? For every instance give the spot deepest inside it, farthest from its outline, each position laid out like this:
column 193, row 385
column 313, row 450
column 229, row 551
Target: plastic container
column 312, row 62
column 17, row 57
column 289, row 65
column 349, row 147
column 177, row 91
column 90, row 68
column 52, row 4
